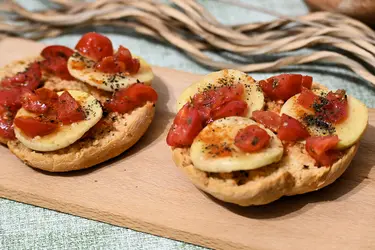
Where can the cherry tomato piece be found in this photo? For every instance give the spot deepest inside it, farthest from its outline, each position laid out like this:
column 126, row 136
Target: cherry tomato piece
column 136, row 65
column 121, row 61
column 336, row 110
column 30, row 78
column 95, row 46
column 307, row 82
column 35, row 126
column 6, row 124
column 186, row 126
column 284, row 86
column 68, row 109
column 55, row 51
column 211, row 101
column 136, row 95
column 110, row 65
column 252, row 138
column 321, row 148
column 57, row 66
column 41, row 101
column 291, row 129
column 269, row 119
column 307, row 99
column 333, row 108
column 232, row 108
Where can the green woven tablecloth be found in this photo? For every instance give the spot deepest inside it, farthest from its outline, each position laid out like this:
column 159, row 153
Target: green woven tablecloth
column 28, row 227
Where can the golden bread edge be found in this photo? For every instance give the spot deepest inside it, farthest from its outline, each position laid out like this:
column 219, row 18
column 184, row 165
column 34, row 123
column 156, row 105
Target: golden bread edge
column 278, row 183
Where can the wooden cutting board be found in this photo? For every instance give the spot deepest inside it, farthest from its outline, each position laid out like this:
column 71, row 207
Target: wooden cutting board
column 143, row 190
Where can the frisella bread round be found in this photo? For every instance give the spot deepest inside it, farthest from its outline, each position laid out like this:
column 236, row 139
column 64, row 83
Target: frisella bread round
column 58, row 123
column 235, row 155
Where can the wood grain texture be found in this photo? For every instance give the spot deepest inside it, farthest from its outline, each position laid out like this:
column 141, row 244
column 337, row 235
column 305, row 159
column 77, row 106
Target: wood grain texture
column 143, row 190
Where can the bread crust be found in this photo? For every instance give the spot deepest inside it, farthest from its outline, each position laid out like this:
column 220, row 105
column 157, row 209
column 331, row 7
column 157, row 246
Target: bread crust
column 294, row 174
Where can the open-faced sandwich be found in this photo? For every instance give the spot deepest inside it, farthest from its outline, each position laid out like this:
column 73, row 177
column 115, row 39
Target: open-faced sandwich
column 250, row 143
column 67, row 110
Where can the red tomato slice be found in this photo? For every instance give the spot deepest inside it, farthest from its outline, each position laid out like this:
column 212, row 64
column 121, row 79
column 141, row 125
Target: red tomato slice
column 284, row 86
column 110, row 65
column 321, row 148
column 124, row 55
column 6, row 124
column 30, row 78
column 136, row 95
column 136, row 65
column 54, row 51
column 269, row 119
column 307, row 98
column 215, row 99
column 57, row 66
column 35, row 126
column 307, row 81
column 95, row 46
column 252, row 139
column 336, row 110
column 232, row 108
column 69, row 110
column 333, row 108
column 121, row 61
column 41, row 101
column 10, row 98
column 291, row 129
column 186, row 126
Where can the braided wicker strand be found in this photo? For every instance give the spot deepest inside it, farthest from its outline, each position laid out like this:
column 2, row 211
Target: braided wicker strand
column 188, row 26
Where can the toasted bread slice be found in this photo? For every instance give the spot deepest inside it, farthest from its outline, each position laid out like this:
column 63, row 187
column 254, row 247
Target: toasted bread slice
column 121, row 131
column 294, row 174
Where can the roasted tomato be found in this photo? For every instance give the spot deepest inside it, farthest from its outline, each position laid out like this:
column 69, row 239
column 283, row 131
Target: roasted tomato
column 110, row 65
column 321, row 148
column 55, row 51
column 58, row 67
column 69, row 110
column 121, row 61
column 307, row 82
column 41, row 101
column 56, row 58
column 336, row 109
column 252, row 139
column 307, row 99
column 269, row 119
column 291, row 129
column 232, row 108
column 10, row 98
column 6, row 124
column 213, row 104
column 95, row 46
column 333, row 108
column 136, row 95
column 35, row 126
column 29, row 79
column 186, row 126
column 284, row 86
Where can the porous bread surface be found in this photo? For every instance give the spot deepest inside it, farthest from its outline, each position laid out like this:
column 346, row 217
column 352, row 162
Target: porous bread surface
column 105, row 143
column 296, row 173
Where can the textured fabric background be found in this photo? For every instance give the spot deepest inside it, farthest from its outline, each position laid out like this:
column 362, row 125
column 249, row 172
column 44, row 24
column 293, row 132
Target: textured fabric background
column 27, row 227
